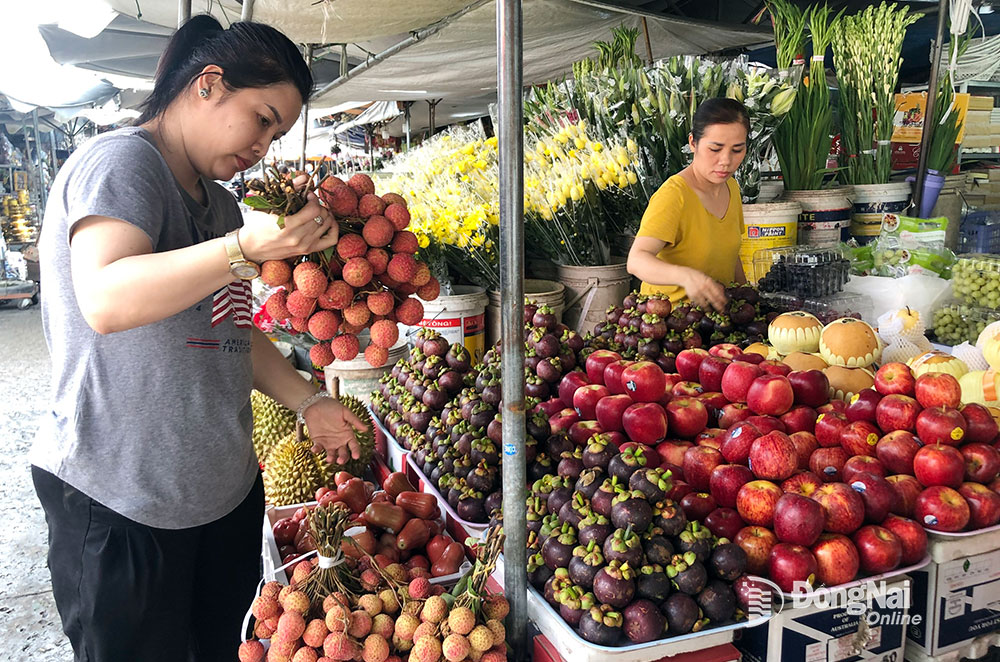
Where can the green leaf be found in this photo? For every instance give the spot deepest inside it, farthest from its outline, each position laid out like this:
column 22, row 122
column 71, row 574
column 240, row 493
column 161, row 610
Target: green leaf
column 257, row 202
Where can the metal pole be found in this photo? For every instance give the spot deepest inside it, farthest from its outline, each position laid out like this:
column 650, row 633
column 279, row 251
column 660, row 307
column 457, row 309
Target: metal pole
column 431, row 110
column 55, row 166
column 247, row 13
column 928, row 128
column 43, row 193
column 406, row 122
column 183, row 12
column 305, row 113
column 343, row 59
column 511, row 152
column 649, row 48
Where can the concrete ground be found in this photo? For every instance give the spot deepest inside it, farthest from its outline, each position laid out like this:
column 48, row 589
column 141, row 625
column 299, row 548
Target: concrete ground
column 29, row 623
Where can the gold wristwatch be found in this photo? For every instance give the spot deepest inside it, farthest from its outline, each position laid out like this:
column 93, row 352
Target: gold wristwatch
column 239, row 266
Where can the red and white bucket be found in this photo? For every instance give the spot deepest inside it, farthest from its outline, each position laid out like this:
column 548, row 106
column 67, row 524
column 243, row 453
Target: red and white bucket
column 459, row 317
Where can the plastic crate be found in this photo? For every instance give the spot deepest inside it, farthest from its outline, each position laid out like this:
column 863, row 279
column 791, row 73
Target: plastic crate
column 980, row 233
column 975, row 279
column 954, row 324
column 807, row 271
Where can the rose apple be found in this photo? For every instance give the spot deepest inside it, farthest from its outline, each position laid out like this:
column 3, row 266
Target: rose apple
column 772, row 367
column 937, row 389
column 834, row 406
column 699, row 462
column 725, row 482
column 805, row 483
column 907, row 489
column 724, row 523
column 645, row 422
column 828, row 429
column 878, row 548
column 586, row 398
column 980, row 426
column 837, row 559
column 757, row 542
column 798, row 519
column 862, row 406
column 811, row 387
column 563, row 420
column 844, row 508
column 805, row 443
column 984, row 505
column 710, row 372
column 770, row 395
column 672, row 452
column 644, row 381
column 799, row 419
column 896, row 451
column 570, row 382
column 859, row 438
column 726, row 350
column 982, row 462
column 911, row 536
column 733, row 413
column 939, row 465
column 688, row 362
column 686, row 417
column 609, row 411
column 895, row 379
column 828, row 463
column 756, row 501
column 792, row 567
column 581, row 431
column 697, row 505
column 940, row 425
column 897, row 412
column 737, row 378
column 877, row 494
column 942, row 509
column 737, row 441
column 773, row 456
column 596, row 363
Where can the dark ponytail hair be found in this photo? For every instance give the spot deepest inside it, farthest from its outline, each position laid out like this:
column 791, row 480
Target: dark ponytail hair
column 718, row 110
column 249, row 54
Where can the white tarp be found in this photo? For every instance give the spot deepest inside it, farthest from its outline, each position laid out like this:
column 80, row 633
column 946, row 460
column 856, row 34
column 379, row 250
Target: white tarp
column 380, row 111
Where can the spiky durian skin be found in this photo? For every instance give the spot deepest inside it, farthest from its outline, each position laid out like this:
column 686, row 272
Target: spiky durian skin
column 292, row 473
column 272, row 422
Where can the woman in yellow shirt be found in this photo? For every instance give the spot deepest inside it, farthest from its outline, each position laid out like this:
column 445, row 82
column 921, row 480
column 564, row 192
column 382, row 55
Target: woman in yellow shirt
column 689, row 238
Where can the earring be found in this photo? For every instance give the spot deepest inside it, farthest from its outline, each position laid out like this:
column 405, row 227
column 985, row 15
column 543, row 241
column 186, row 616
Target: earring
column 203, row 93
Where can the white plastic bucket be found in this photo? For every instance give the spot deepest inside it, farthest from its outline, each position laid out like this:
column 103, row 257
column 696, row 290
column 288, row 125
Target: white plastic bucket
column 768, row 225
column 357, row 376
column 542, row 292
column 825, row 217
column 459, row 318
column 591, row 290
column 871, row 201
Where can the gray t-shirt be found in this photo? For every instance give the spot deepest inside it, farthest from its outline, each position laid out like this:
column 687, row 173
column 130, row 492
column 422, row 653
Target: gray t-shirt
column 153, row 422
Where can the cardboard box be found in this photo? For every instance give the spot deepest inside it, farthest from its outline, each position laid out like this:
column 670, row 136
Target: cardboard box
column 980, row 103
column 544, row 651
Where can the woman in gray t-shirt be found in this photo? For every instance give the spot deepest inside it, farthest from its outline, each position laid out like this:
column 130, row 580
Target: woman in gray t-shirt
column 144, row 465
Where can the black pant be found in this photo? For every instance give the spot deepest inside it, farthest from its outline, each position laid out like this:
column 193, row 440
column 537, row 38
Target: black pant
column 127, row 592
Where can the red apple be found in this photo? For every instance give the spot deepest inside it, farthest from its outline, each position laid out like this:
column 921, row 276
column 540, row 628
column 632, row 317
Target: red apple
column 644, row 381
column 737, row 441
column 284, row 531
column 724, row 523
column 828, row 463
column 650, row 457
column 811, row 387
column 995, row 485
column 737, row 378
column 829, row 427
column 725, row 482
column 878, row 548
column 862, row 464
column 982, row 462
column 844, row 508
column 877, row 494
column 688, row 362
column 581, row 431
column 596, row 363
column 697, row 505
column 798, row 519
column 755, row 359
column 551, row 406
column 613, row 376
column 733, row 413
column 984, row 505
column 939, row 465
column 805, row 444
column 938, row 389
column 767, row 424
column 895, row 379
column 792, row 567
column 940, row 425
column 834, row 406
column 710, row 372
column 911, row 536
column 770, row 395
column 686, row 417
column 711, row 437
column 757, row 542
column 907, row 490
column 680, row 488
column 799, row 419
column 726, row 350
column 572, row 381
column 609, row 411
column 773, row 456
column 773, row 367
column 862, row 406
column 712, row 400
column 756, row 501
column 586, row 398
column 686, row 390
column 617, row 438
column 980, row 426
column 645, row 422
column 896, row 451
column 748, row 589
column 942, row 509
column 563, row 420
column 837, row 559
column 699, row 461
column 804, row 482
column 672, row 452
column 897, row 412
column 859, row 438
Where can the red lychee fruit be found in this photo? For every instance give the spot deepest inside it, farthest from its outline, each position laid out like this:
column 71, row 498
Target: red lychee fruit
column 342, row 201
column 291, row 625
column 357, row 272
column 402, row 268
column 394, row 199
column 347, row 327
column 380, row 303
column 369, row 205
column 378, row 231
column 324, row 324
column 398, row 215
column 277, row 306
column 430, row 291
column 315, row 633
column 357, row 314
column 337, row 296
column 310, row 280
column 264, row 608
column 426, row 649
column 331, row 182
column 376, row 649
column 384, row 333
column 345, row 347
column 300, row 305
column 419, row 588
column 360, row 625
column 404, row 241
column 379, row 259
column 299, row 324
column 423, row 275
column 362, row 184
column 251, row 651
column 376, row 356
column 321, row 355
column 410, row 312
column 351, row 245
column 275, row 272
column 305, row 654
column 339, row 646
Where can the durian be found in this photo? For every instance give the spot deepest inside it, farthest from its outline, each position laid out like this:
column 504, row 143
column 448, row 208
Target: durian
column 293, row 472
column 272, row 422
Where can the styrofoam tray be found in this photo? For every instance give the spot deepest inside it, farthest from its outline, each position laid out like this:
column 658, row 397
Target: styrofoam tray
column 944, row 547
column 475, row 530
column 572, row 646
column 395, row 453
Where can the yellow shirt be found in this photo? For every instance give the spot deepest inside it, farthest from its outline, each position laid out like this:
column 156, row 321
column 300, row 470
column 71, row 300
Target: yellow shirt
column 695, row 237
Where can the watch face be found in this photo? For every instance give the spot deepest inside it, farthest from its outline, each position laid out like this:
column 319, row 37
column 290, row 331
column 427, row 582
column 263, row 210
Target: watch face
column 245, row 270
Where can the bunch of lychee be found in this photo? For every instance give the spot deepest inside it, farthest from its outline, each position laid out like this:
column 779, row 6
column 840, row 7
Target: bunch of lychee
column 365, row 283
column 419, row 623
